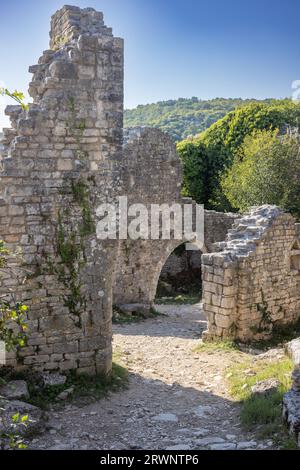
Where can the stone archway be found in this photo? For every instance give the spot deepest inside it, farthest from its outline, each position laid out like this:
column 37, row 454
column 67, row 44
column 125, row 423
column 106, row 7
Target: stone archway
column 152, row 174
column 181, row 273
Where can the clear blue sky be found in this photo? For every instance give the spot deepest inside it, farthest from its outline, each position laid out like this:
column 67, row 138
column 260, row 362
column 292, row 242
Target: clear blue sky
column 173, row 48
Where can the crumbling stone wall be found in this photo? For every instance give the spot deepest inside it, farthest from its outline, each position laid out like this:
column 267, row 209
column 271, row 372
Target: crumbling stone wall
column 152, row 174
column 61, row 159
column 252, row 285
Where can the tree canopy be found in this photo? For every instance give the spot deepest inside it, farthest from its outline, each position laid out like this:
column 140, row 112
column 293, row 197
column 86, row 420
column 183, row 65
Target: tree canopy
column 207, row 156
column 266, row 170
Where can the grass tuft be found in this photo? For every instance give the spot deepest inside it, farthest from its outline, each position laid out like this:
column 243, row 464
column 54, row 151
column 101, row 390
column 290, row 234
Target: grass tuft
column 243, row 376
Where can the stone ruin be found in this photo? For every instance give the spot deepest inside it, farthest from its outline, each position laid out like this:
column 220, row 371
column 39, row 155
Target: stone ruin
column 62, row 158
column 152, row 174
column 252, row 285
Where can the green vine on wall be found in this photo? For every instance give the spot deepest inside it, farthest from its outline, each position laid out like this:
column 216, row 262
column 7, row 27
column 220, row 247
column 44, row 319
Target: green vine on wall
column 81, row 196
column 70, row 240
column 70, row 246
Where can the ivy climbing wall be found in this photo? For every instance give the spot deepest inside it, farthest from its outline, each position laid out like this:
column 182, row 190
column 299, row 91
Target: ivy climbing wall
column 60, row 160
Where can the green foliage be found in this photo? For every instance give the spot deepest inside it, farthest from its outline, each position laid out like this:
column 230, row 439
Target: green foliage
column 262, row 413
column 13, row 437
column 70, row 245
column 17, row 96
column 196, row 170
column 12, row 317
column 243, row 376
column 59, row 41
column 81, row 196
column 183, row 117
column 265, row 324
column 266, row 170
column 261, row 410
column 207, row 156
column 69, row 251
column 281, row 334
column 13, row 325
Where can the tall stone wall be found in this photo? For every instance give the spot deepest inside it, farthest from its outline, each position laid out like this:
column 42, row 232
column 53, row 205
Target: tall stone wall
column 61, row 159
column 252, row 284
column 152, row 174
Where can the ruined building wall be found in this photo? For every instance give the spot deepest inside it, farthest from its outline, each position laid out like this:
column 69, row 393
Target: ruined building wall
column 152, row 174
column 61, row 158
column 252, row 285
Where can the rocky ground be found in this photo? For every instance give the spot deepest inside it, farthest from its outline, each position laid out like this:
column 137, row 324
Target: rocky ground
column 176, row 398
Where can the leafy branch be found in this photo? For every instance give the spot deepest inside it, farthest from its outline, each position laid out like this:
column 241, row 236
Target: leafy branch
column 14, row 439
column 18, row 96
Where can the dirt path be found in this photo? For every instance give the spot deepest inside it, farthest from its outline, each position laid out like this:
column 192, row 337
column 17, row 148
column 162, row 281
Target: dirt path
column 176, row 399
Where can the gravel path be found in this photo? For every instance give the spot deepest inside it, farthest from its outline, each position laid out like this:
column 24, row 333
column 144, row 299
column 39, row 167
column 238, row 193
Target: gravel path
column 176, row 399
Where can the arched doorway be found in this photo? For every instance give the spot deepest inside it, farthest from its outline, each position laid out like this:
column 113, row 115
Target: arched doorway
column 181, row 276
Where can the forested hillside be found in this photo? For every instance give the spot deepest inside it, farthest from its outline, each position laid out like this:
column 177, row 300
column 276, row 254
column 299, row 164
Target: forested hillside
column 183, row 117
